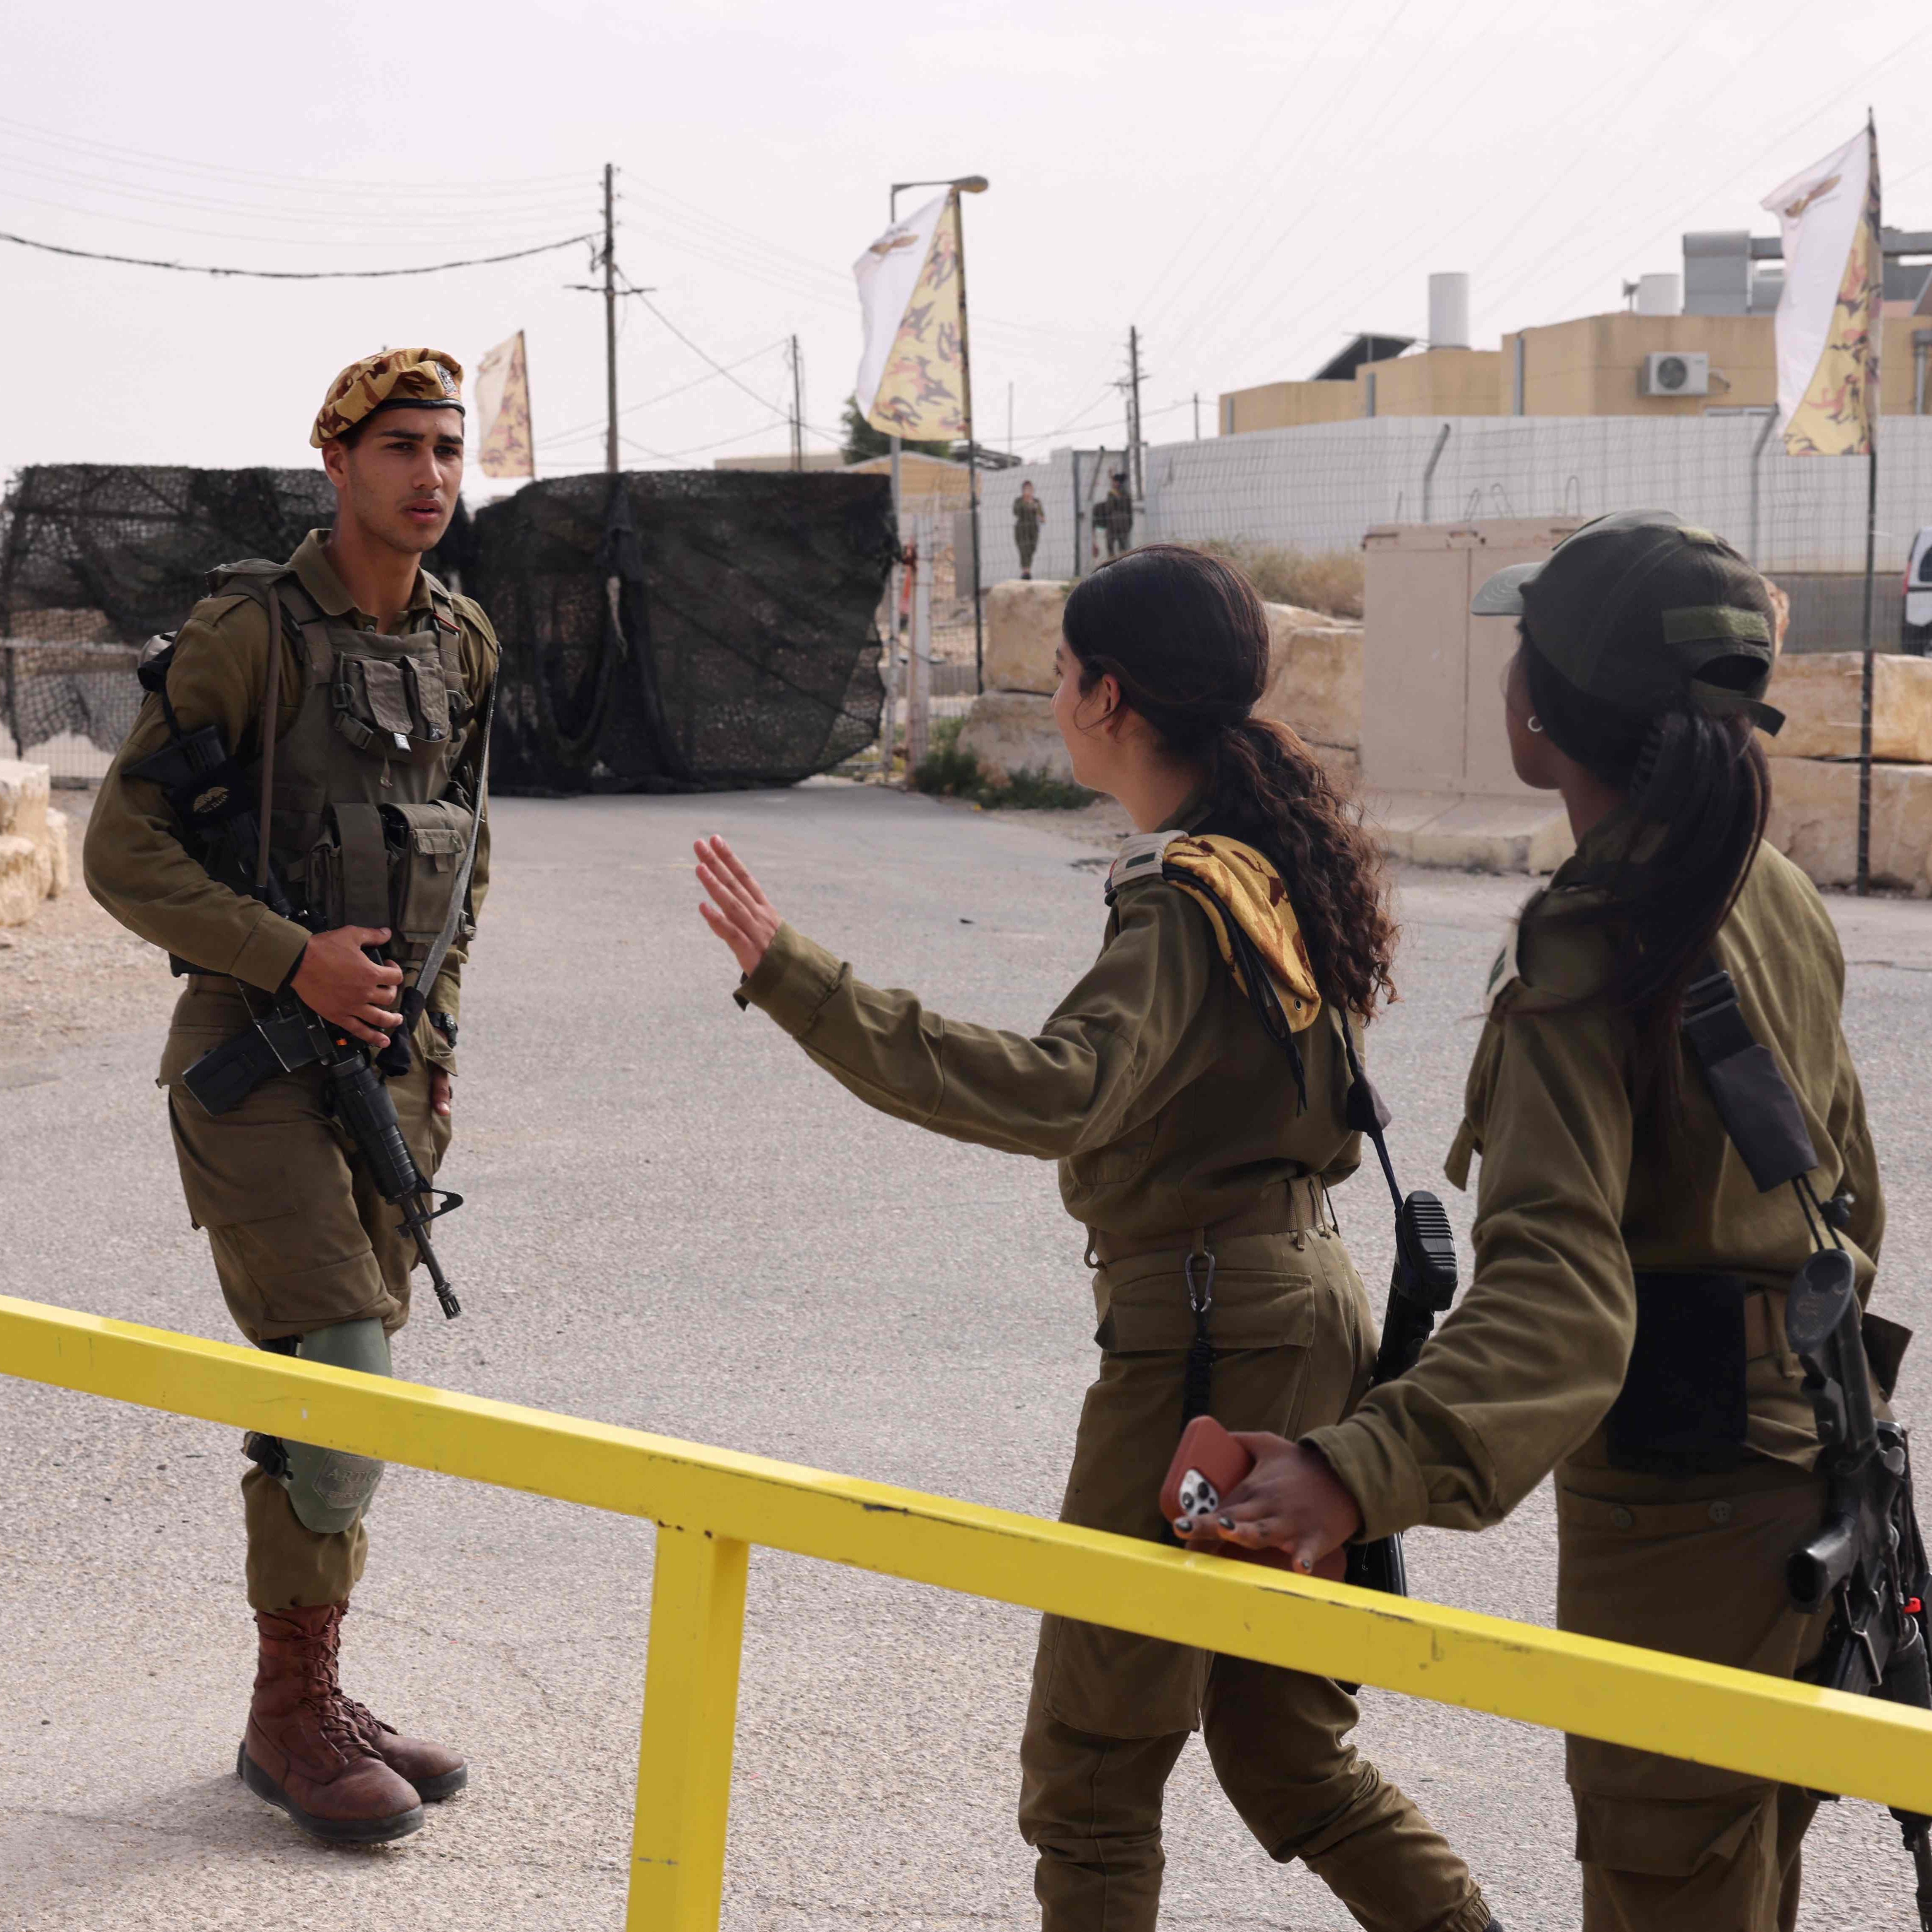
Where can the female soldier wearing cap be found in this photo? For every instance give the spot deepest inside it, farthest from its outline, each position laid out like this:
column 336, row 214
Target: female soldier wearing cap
column 1197, row 1151
column 1611, row 1204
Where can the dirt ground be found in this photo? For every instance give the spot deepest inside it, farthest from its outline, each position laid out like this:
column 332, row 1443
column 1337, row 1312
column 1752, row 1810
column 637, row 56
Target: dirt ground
column 70, row 966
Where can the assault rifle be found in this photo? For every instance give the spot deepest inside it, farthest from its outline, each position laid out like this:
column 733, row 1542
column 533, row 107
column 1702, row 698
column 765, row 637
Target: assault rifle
column 1867, row 1565
column 204, row 783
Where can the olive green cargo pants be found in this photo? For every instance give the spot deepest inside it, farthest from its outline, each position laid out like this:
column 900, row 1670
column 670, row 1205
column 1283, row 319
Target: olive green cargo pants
column 301, row 1240
column 1697, row 1568
column 1110, row 1711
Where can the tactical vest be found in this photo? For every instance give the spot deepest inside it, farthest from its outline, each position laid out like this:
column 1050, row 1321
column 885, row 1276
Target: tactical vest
column 367, row 825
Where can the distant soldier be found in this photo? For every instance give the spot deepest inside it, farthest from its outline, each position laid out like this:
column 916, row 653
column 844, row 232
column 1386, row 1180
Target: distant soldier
column 1029, row 513
column 1117, row 515
column 376, row 683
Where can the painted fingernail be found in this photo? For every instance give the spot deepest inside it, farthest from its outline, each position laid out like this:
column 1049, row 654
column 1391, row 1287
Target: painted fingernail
column 1226, row 1522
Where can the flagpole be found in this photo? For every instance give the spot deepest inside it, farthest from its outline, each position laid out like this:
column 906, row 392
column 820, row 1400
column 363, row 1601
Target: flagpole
column 1873, row 366
column 972, row 451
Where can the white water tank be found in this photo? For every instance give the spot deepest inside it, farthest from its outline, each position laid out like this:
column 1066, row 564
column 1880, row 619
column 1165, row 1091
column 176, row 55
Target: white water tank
column 1660, row 294
column 1449, row 311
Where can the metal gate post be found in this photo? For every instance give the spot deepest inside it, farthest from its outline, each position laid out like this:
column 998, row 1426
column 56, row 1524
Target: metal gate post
column 691, row 1713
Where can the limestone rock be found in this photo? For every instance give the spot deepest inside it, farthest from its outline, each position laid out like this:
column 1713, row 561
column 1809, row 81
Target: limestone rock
column 1814, row 822
column 1819, row 693
column 21, row 886
column 23, row 799
column 59, row 873
column 33, row 842
column 1022, row 629
column 1314, row 678
column 1009, row 731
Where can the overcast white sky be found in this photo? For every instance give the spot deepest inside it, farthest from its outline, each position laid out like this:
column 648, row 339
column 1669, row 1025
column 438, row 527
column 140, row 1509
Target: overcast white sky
column 1249, row 185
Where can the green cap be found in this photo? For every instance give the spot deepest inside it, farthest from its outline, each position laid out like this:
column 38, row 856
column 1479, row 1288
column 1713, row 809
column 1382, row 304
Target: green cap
column 1637, row 608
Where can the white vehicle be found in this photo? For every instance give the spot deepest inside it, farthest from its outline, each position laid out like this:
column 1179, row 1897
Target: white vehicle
column 1917, row 636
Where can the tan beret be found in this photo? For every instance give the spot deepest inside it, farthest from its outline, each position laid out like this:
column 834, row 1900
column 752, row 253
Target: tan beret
column 397, row 377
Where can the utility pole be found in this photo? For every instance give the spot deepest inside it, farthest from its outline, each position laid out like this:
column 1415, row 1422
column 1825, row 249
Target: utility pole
column 797, row 408
column 1134, row 410
column 611, row 317
column 1197, row 415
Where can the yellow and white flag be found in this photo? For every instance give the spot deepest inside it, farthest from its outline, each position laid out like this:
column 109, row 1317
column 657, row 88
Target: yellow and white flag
column 1829, row 315
column 912, row 377
column 502, row 394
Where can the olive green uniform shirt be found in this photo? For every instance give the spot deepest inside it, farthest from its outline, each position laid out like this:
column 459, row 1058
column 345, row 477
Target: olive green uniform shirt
column 135, row 862
column 1572, row 1199
column 1152, row 1084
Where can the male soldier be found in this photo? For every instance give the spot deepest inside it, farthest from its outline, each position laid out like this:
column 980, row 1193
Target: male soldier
column 1117, row 515
column 378, row 683
column 1029, row 513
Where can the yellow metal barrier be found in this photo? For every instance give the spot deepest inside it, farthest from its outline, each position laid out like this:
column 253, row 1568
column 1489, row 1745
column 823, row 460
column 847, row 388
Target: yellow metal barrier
column 711, row 1505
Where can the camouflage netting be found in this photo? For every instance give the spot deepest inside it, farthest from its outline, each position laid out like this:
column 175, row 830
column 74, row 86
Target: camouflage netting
column 95, row 557
column 690, row 630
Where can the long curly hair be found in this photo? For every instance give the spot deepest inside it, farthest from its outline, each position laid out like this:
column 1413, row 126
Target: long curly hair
column 1186, row 638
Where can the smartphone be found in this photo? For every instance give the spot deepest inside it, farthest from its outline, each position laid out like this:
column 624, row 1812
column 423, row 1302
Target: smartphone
column 1209, row 1464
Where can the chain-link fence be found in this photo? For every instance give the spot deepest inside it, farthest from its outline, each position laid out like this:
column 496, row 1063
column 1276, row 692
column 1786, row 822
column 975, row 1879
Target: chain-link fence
column 1321, row 487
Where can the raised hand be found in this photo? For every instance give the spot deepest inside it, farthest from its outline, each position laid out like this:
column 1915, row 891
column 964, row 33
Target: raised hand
column 739, row 913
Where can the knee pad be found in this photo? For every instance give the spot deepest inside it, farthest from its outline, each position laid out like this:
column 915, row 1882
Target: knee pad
column 329, row 1489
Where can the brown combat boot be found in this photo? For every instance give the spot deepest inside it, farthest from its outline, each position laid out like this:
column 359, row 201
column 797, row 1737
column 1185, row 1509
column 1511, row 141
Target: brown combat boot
column 436, row 1771
column 303, row 1752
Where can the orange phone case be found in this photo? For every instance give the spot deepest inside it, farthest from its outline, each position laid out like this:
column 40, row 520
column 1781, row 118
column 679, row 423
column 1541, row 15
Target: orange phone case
column 1207, row 1451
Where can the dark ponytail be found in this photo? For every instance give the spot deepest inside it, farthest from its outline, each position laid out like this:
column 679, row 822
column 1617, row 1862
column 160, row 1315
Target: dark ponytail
column 1700, row 789
column 1186, row 638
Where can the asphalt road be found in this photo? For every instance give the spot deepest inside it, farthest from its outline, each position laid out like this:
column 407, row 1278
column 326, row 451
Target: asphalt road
column 675, row 1222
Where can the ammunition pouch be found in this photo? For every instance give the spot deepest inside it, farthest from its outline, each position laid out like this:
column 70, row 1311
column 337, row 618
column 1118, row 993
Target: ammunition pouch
column 394, row 865
column 1681, row 1410
column 391, row 707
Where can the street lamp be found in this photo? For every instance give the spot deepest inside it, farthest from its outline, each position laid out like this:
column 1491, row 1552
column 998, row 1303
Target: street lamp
column 959, row 185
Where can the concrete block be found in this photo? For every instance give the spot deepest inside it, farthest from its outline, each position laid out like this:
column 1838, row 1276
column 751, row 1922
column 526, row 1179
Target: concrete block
column 1819, row 693
column 1314, row 678
column 1814, row 822
column 23, row 799
column 1022, row 630
column 1009, row 731
column 1529, row 834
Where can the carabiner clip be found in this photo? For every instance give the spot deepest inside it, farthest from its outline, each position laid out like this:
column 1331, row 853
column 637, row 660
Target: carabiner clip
column 1200, row 1296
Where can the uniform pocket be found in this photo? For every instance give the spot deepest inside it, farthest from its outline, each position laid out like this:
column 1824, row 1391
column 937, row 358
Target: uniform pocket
column 426, row 846
column 1147, row 1311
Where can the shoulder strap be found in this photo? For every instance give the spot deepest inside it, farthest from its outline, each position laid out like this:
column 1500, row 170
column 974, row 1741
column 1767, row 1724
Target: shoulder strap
column 1754, row 1100
column 1366, row 1111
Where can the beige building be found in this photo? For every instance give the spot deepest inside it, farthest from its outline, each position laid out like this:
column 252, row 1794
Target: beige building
column 1593, row 366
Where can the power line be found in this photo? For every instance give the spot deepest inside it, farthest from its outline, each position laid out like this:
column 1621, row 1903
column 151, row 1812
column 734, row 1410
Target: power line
column 702, row 355
column 664, row 395
column 361, row 190
column 292, row 274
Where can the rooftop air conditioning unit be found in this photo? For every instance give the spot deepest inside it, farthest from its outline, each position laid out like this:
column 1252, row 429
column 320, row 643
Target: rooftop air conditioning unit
column 1672, row 372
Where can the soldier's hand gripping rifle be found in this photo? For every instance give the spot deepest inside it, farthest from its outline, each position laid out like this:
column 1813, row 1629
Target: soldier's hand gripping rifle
column 204, row 785
column 1867, row 1565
